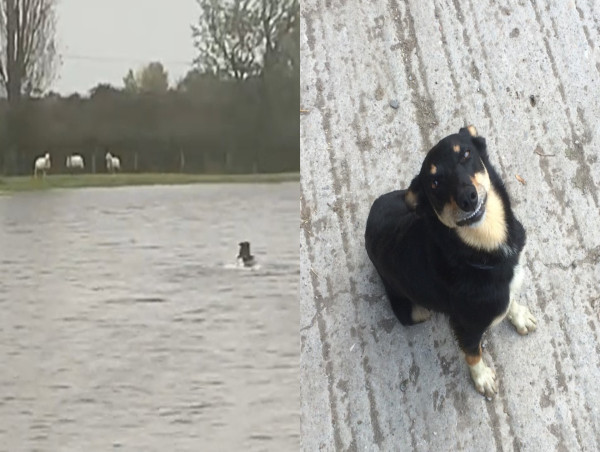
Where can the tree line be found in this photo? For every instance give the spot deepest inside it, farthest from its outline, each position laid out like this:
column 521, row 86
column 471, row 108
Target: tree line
column 235, row 111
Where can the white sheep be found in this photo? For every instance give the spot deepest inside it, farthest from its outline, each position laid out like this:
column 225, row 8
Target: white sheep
column 41, row 164
column 75, row 161
column 112, row 162
column 116, row 163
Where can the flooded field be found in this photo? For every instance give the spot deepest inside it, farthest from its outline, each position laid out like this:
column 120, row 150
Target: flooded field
column 126, row 326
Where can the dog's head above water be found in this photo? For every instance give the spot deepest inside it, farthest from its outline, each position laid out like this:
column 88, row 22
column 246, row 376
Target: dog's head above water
column 454, row 180
column 244, row 250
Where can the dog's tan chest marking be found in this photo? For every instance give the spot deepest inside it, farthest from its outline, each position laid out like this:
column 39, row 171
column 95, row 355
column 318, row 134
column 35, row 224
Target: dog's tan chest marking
column 491, row 233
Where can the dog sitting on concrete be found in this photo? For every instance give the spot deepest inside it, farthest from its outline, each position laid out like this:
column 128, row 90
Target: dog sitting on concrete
column 451, row 243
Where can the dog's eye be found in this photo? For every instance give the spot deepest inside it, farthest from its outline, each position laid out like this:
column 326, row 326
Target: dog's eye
column 435, row 183
column 466, row 155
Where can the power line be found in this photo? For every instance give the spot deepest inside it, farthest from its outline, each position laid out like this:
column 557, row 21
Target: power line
column 117, row 59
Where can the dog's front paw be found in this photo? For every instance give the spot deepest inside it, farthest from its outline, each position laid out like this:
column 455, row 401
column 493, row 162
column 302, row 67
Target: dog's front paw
column 522, row 318
column 484, row 379
column 420, row 314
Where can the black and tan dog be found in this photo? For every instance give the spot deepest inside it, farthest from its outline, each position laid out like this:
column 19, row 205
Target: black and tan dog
column 451, row 244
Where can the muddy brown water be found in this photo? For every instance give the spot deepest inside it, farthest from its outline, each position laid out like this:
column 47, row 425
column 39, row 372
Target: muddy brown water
column 126, row 326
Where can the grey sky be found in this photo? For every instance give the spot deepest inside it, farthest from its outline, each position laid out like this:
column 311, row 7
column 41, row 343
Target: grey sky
column 100, row 40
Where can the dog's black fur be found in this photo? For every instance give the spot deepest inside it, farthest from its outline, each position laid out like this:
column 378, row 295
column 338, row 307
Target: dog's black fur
column 244, row 254
column 424, row 262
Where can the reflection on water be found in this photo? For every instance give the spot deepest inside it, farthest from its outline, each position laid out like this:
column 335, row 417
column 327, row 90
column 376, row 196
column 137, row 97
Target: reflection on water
column 125, row 327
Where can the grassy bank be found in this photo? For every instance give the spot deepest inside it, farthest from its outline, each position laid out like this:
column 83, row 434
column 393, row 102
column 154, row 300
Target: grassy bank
column 27, row 183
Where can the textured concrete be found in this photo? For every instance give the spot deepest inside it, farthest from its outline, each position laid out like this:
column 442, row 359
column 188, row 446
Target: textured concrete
column 527, row 76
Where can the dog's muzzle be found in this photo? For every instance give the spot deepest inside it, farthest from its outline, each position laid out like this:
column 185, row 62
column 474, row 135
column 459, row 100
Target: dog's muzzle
column 469, row 218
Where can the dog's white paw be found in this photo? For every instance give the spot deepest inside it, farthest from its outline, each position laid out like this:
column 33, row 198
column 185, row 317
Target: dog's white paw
column 484, row 379
column 522, row 318
column 420, row 314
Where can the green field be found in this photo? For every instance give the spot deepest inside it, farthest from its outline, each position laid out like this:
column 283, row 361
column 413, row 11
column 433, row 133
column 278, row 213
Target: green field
column 28, row 183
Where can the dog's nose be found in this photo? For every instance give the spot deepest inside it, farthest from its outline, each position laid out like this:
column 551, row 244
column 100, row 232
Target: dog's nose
column 467, row 198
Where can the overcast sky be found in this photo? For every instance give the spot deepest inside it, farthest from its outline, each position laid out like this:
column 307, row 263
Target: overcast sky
column 100, row 40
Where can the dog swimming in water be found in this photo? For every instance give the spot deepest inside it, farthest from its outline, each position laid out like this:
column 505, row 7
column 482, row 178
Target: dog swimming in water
column 244, row 257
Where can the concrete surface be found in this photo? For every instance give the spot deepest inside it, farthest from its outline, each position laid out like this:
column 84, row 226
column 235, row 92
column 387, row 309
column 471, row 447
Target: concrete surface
column 527, row 76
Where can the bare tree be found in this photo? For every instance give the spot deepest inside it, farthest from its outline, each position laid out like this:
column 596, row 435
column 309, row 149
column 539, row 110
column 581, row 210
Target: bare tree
column 27, row 47
column 239, row 38
column 278, row 20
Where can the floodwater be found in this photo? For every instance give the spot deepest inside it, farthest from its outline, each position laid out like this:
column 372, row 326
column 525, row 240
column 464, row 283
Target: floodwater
column 125, row 325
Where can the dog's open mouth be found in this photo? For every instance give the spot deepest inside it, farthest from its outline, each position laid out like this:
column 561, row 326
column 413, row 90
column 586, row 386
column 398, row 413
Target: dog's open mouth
column 476, row 215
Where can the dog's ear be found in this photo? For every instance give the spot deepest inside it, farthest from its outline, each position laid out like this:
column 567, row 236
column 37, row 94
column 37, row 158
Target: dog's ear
column 481, row 146
column 414, row 195
column 478, row 141
column 469, row 130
